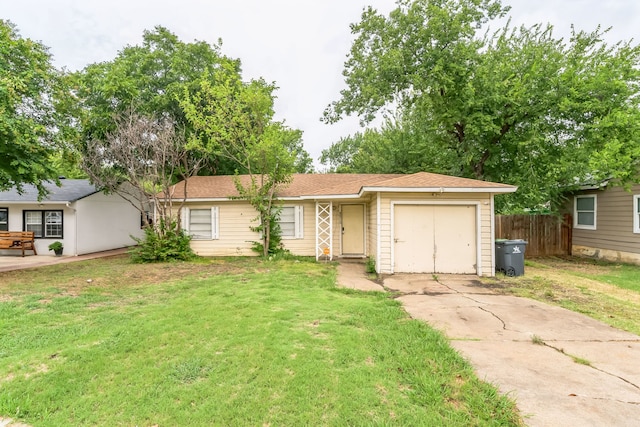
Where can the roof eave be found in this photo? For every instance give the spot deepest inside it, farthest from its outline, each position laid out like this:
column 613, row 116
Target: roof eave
column 35, row 202
column 438, row 190
column 330, row 196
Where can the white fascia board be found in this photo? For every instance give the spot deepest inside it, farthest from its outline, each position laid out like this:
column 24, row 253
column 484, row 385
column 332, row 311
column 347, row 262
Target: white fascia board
column 331, row 197
column 437, row 190
column 42, row 203
column 226, row 199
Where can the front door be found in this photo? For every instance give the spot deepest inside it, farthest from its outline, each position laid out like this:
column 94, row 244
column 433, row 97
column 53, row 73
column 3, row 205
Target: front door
column 352, row 229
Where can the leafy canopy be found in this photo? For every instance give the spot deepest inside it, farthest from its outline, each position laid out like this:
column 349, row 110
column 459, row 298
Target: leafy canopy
column 517, row 105
column 27, row 115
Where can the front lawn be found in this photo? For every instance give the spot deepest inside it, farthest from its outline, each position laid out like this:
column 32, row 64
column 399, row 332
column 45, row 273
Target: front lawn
column 224, row 342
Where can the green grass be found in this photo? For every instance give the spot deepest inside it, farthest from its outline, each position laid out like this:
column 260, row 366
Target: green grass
column 224, row 342
column 622, row 275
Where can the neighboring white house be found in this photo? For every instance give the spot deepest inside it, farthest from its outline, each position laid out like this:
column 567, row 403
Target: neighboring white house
column 77, row 214
column 419, row 223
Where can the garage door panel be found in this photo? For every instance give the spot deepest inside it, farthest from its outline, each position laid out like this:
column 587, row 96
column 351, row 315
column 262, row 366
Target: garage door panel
column 435, row 239
column 455, row 239
column 413, row 229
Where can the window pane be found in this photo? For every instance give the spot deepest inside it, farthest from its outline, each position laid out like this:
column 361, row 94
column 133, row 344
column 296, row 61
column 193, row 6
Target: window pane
column 200, row 223
column 638, row 205
column 33, row 222
column 288, row 229
column 287, row 214
column 4, row 219
column 53, row 224
column 586, row 218
column 53, row 230
column 586, row 203
column 288, row 221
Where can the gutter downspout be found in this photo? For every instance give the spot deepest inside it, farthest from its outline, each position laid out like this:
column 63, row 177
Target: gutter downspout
column 75, row 228
column 493, row 237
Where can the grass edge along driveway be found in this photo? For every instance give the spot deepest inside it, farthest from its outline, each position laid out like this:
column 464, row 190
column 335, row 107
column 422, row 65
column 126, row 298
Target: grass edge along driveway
column 606, row 291
column 224, row 342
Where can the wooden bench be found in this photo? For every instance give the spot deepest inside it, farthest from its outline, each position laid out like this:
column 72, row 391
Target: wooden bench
column 22, row 240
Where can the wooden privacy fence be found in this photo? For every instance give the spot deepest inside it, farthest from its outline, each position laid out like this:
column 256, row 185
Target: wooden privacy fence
column 546, row 234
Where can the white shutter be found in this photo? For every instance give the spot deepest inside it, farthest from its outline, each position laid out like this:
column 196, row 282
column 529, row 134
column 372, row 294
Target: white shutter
column 299, row 215
column 214, row 223
column 184, row 218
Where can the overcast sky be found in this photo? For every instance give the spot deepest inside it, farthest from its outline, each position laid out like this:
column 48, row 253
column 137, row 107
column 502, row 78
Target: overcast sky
column 299, row 44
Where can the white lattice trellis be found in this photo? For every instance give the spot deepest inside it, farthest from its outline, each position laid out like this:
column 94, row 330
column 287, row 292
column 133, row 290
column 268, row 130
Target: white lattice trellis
column 324, row 228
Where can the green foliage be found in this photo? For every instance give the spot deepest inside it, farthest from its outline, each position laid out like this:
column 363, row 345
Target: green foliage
column 166, row 242
column 517, row 106
column 234, row 120
column 370, row 266
column 148, row 79
column 28, row 132
column 275, row 235
column 55, row 246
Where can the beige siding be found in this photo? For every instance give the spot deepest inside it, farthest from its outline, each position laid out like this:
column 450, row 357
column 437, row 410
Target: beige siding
column 372, row 228
column 337, row 229
column 235, row 236
column 614, row 222
column 486, row 239
column 306, row 245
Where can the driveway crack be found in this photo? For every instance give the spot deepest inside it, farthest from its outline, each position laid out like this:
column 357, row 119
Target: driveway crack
column 611, row 400
column 504, row 325
column 560, row 350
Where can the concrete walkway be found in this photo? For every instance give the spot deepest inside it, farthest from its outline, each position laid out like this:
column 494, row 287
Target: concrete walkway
column 561, row 368
column 17, row 262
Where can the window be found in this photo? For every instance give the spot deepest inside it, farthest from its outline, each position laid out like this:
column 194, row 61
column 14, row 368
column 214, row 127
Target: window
column 201, row 224
column 291, row 222
column 4, row 219
column 636, row 213
column 585, row 210
column 46, row 224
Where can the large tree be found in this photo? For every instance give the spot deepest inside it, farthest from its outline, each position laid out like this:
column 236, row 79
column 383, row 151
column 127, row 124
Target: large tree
column 151, row 79
column 226, row 123
column 148, row 79
column 27, row 115
column 233, row 119
column 516, row 105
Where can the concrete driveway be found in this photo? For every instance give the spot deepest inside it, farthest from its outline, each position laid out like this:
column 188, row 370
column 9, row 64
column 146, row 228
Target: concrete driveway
column 578, row 372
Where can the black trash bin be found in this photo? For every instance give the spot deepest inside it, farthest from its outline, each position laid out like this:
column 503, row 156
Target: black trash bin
column 510, row 257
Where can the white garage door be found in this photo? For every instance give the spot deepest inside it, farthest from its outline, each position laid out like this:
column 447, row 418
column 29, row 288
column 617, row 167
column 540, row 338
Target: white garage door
column 435, row 239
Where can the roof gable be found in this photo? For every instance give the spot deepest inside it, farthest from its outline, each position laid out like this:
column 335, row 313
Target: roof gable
column 338, row 185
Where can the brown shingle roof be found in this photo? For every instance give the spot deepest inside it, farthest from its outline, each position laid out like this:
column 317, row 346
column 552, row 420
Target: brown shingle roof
column 326, row 185
column 434, row 180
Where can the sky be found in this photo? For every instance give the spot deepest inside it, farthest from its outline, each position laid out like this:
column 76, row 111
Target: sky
column 301, row 45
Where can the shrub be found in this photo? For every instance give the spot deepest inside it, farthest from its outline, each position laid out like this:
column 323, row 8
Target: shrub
column 275, row 237
column 164, row 243
column 370, row 266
